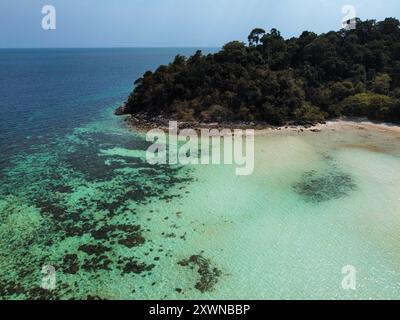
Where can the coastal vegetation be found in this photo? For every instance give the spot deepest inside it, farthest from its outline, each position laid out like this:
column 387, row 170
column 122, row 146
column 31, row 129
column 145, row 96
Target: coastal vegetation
column 301, row 80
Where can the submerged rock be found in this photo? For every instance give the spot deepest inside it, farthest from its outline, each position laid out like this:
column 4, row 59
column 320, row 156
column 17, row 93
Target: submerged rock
column 137, row 267
column 71, row 264
column 209, row 275
column 93, row 249
column 122, row 110
column 316, row 188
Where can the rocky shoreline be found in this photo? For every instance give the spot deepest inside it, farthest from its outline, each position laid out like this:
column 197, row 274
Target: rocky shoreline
column 143, row 122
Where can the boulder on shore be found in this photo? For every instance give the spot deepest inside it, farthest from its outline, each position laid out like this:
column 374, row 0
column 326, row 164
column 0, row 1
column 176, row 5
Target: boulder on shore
column 122, row 110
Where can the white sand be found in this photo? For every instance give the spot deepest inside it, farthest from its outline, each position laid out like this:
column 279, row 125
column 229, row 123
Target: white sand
column 361, row 124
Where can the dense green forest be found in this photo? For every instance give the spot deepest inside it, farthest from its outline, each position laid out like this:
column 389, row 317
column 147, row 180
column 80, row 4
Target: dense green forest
column 301, row 80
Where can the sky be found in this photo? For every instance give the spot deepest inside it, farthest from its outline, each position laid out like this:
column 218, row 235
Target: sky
column 172, row 23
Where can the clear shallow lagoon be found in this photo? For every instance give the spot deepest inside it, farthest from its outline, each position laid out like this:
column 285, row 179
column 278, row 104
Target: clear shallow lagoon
column 77, row 194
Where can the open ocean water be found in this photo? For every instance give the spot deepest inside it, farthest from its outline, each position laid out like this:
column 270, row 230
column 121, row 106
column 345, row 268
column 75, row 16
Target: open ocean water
column 76, row 193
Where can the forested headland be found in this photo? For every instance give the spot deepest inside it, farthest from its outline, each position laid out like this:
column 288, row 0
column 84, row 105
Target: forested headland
column 302, row 80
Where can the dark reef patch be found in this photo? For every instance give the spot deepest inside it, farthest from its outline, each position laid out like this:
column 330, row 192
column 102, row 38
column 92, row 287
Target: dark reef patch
column 62, row 188
column 8, row 289
column 132, row 240
column 209, row 275
column 317, row 188
column 85, row 158
column 81, row 199
column 137, row 267
column 127, row 235
column 39, row 293
column 97, row 262
column 70, row 264
column 94, row 249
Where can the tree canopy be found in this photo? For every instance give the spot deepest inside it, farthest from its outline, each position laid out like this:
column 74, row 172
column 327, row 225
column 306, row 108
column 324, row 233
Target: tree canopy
column 300, row 80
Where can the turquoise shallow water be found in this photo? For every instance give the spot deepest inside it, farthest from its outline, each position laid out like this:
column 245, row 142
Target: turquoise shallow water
column 116, row 228
column 82, row 198
column 315, row 204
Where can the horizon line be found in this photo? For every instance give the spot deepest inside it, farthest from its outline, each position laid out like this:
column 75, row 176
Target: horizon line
column 116, row 47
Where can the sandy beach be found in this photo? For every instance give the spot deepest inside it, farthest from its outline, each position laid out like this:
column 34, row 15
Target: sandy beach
column 342, row 124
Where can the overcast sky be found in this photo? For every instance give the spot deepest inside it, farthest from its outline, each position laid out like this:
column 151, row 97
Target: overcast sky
column 172, row 23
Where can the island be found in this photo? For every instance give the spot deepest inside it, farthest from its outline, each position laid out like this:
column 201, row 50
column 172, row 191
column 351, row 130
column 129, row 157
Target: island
column 276, row 81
